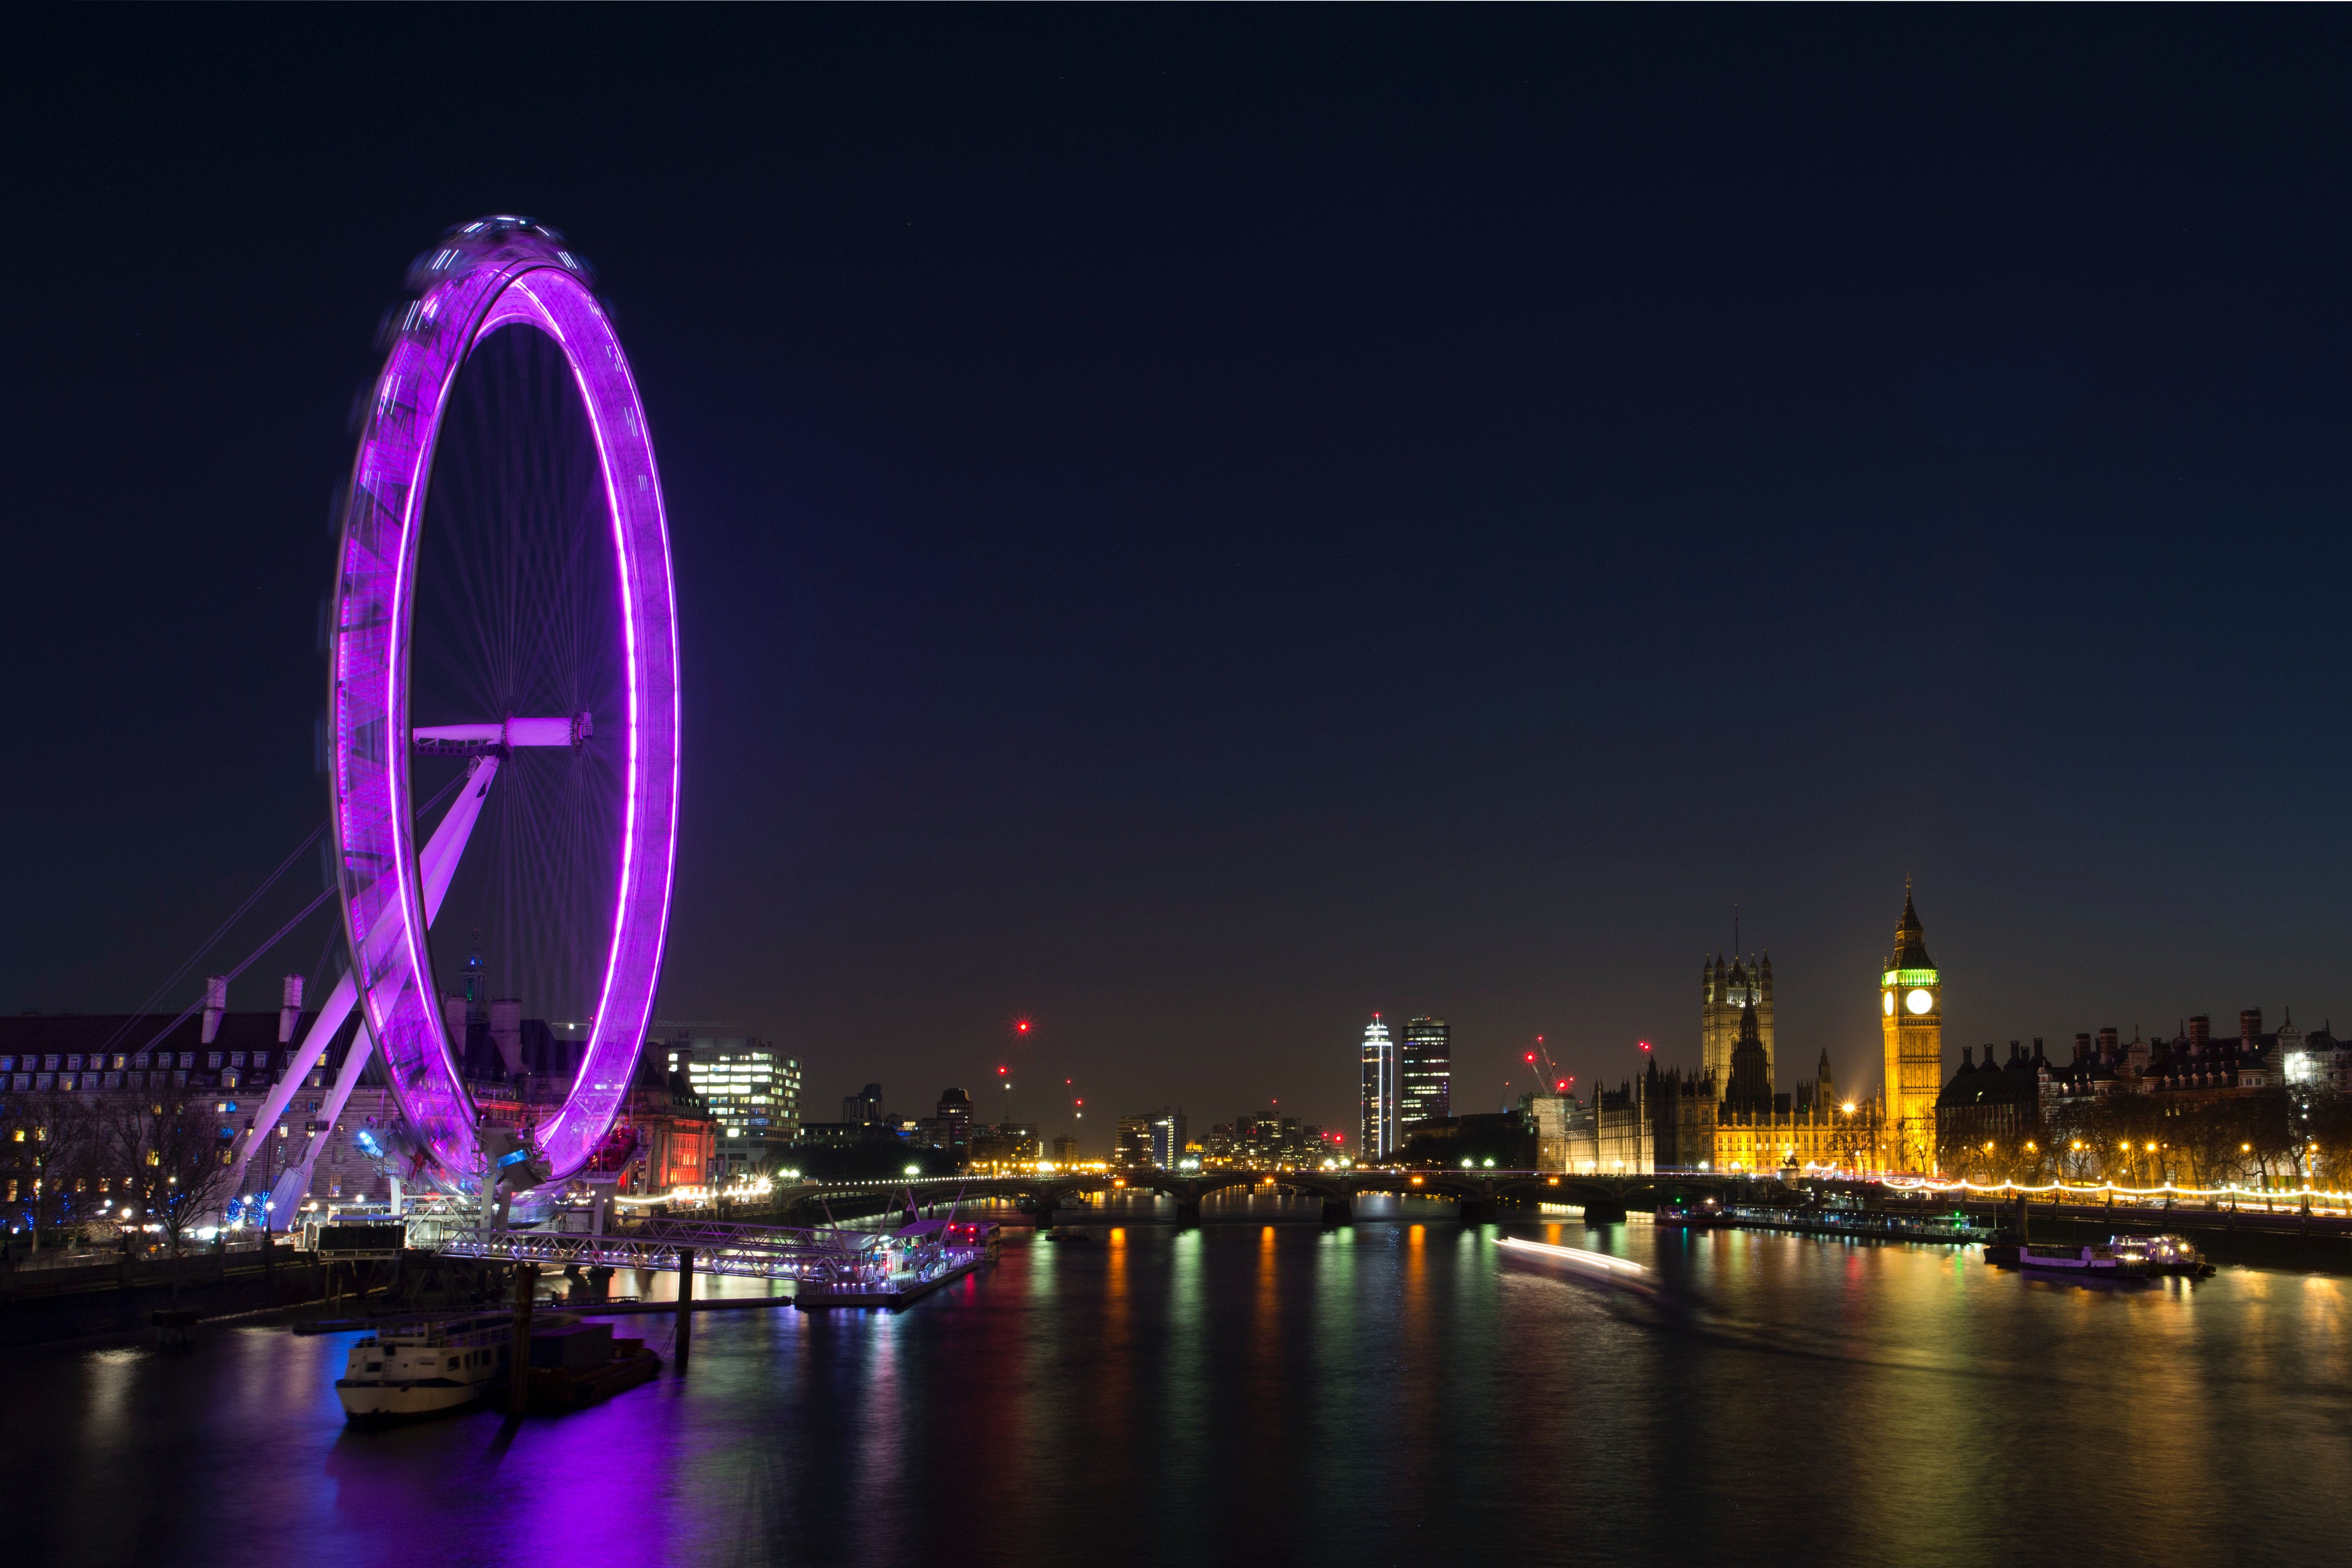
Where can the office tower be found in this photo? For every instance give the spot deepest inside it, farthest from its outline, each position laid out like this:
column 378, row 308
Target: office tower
column 1426, row 1079
column 754, row 1092
column 1378, row 1137
column 1169, row 1131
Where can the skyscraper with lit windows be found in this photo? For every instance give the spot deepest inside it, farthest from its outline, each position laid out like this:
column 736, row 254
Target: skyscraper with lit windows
column 1425, row 1074
column 754, row 1092
column 1379, row 1139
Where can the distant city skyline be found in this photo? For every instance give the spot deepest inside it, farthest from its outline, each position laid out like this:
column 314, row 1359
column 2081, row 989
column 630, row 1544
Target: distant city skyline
column 1198, row 579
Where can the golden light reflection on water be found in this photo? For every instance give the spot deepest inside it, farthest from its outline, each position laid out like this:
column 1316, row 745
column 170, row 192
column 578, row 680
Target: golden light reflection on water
column 1285, row 1394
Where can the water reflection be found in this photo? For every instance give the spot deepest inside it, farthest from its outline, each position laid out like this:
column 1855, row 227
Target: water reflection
column 1270, row 1391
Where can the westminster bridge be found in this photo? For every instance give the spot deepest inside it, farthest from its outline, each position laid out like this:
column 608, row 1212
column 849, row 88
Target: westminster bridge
column 1478, row 1194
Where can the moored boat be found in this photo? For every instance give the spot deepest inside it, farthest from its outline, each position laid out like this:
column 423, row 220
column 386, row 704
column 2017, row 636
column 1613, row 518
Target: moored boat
column 1702, row 1215
column 2079, row 1262
column 425, row 1368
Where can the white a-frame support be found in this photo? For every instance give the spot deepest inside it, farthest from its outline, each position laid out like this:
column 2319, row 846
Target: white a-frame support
column 435, row 864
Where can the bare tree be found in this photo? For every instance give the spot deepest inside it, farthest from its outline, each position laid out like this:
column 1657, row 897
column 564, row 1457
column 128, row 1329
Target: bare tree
column 2213, row 1142
column 171, row 1158
column 2268, row 1143
column 2073, row 1132
column 48, row 1154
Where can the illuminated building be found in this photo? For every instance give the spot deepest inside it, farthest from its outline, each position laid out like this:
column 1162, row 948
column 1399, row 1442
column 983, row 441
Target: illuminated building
column 1568, row 1134
column 1911, row 1015
column 1756, row 1129
column 1379, row 1136
column 1665, row 1120
column 1623, row 1137
column 1265, row 1140
column 1132, row 1147
column 225, row 1061
column 1169, row 1135
column 753, row 1092
column 677, row 1138
column 1725, row 992
column 1153, row 1139
column 1007, row 1143
column 1425, row 1092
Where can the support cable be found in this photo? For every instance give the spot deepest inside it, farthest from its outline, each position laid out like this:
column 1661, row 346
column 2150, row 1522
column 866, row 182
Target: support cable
column 213, row 941
column 252, row 958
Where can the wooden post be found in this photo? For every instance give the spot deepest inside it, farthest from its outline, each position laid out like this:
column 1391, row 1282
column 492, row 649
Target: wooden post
column 685, row 1304
column 519, row 1353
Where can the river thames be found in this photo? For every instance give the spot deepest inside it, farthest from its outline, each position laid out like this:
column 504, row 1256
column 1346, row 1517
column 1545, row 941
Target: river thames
column 1396, row 1391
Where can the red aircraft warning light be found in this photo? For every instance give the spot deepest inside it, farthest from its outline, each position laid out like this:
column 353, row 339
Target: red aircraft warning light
column 1022, row 1027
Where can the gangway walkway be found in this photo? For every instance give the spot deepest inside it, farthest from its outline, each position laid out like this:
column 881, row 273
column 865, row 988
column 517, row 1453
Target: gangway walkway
column 846, row 1265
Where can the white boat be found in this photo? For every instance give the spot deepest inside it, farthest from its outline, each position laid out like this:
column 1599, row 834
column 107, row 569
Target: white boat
column 425, row 1368
column 2082, row 1262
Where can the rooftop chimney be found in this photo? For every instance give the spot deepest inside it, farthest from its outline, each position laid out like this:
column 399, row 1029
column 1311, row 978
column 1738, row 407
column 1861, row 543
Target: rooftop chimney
column 2249, row 1024
column 289, row 1008
column 216, row 1004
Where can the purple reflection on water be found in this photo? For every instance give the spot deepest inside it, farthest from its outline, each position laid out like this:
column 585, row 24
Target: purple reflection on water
column 1387, row 1392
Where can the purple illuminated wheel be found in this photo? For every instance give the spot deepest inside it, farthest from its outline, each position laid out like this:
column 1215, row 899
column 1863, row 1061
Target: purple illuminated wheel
column 504, row 636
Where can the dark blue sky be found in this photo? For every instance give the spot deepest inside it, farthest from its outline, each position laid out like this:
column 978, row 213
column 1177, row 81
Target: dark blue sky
column 1194, row 525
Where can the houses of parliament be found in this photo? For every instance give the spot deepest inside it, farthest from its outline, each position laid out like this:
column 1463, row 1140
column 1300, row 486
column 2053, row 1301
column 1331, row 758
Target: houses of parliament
column 1730, row 1114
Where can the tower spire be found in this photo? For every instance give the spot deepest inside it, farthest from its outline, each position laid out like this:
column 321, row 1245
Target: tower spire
column 1910, row 938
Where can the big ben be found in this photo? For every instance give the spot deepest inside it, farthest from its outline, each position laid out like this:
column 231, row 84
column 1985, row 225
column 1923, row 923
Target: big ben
column 1911, row 1010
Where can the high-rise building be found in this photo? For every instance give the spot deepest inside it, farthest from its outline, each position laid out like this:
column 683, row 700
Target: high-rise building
column 1724, row 992
column 1132, row 1149
column 1379, row 1137
column 1169, row 1131
column 1911, row 1013
column 863, row 1108
column 953, row 1116
column 754, row 1092
column 1425, row 1090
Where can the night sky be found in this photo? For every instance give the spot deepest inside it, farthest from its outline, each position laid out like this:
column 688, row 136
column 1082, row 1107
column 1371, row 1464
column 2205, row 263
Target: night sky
column 1193, row 526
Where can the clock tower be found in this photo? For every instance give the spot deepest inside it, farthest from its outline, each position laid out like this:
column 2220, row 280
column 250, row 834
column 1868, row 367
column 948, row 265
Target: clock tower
column 1911, row 1013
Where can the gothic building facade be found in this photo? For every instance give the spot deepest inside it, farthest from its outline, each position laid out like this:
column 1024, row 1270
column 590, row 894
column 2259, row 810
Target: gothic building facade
column 1724, row 991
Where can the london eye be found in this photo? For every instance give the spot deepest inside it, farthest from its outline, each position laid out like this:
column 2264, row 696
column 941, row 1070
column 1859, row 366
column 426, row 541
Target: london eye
column 503, row 632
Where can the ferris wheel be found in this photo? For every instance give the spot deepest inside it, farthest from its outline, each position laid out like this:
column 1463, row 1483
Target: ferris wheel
column 503, row 632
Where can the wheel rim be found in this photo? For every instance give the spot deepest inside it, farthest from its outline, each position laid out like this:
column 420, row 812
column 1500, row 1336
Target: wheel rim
column 498, row 273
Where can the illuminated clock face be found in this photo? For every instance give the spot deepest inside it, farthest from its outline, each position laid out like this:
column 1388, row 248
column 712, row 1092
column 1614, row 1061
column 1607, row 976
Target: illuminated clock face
column 1919, row 1001
column 1889, row 1000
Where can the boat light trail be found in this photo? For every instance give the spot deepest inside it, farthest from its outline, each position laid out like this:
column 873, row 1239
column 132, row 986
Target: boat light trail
column 1599, row 1263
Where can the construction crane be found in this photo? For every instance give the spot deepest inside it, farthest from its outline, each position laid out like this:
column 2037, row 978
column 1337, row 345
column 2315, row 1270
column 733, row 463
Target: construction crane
column 1541, row 1058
